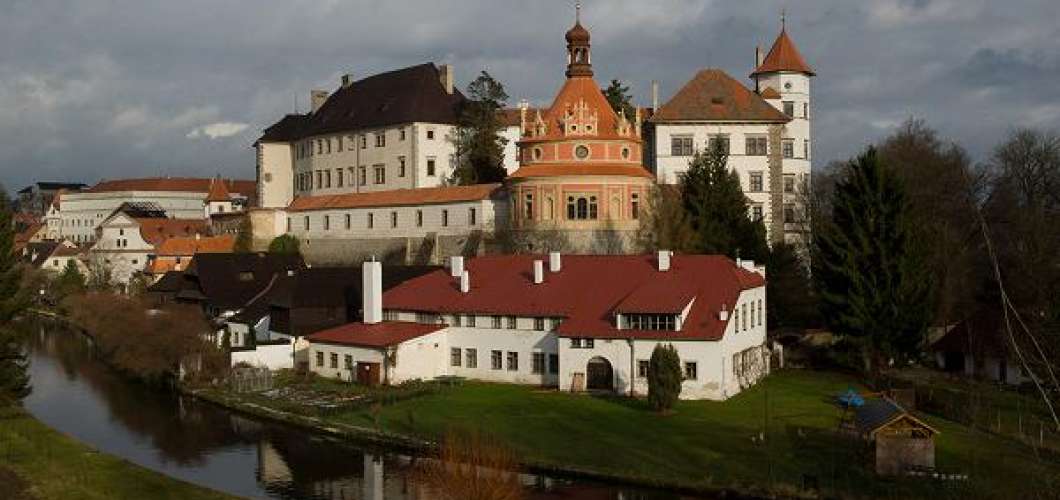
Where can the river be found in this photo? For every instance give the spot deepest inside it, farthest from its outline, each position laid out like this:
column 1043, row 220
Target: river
column 210, row 446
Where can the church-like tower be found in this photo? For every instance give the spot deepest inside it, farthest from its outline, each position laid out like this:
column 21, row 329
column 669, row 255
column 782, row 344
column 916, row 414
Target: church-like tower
column 580, row 162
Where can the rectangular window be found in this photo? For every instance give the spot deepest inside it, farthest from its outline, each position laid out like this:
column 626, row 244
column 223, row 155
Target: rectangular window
column 348, row 221
column 362, row 174
column 457, row 320
column 789, row 108
column 320, row 179
column 401, row 134
column 743, row 314
column 553, row 363
column 430, row 134
column 537, row 363
column 338, row 142
column 756, row 184
column 380, row 139
column 513, row 361
column 528, row 206
column 575, row 343
column 553, row 323
column 305, row 222
column 327, row 178
column 588, row 343
column 419, row 218
column 806, row 110
column 371, row 220
column 690, row 370
column 756, row 211
column 445, row 218
column 496, row 322
column 634, row 205
column 680, row 146
column 471, row 217
column 495, row 360
column 756, row 146
column 380, row 174
column 455, row 355
column 642, row 368
column 788, row 148
column 789, row 183
column 430, row 167
column 320, row 147
column 334, row 358
column 327, row 222
column 789, row 213
column 320, row 358
column 806, row 149
column 721, row 141
column 393, row 219
column 472, row 354
column 511, row 322
column 539, row 324
column 471, row 320
column 339, row 178
column 401, row 164
column 348, row 359
column 364, row 141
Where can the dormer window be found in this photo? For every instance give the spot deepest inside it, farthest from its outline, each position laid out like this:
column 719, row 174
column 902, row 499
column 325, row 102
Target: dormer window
column 647, row 321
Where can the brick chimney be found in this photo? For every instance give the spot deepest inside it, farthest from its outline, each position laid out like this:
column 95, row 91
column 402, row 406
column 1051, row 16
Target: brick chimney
column 445, row 76
column 317, row 98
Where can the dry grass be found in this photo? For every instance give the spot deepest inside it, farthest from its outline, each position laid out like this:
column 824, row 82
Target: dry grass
column 471, row 466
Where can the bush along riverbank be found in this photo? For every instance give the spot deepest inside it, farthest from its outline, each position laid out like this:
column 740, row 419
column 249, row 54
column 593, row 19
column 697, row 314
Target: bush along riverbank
column 37, row 462
column 778, row 438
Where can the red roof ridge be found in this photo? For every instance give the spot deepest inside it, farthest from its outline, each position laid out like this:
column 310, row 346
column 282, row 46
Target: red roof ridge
column 384, row 334
column 783, row 56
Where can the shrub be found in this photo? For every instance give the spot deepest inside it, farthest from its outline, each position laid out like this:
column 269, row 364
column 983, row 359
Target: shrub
column 664, row 378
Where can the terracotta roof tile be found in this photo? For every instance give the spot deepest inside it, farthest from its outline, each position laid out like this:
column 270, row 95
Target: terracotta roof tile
column 202, row 185
column 155, row 230
column 783, row 56
column 397, row 197
column 385, row 334
column 181, row 246
column 770, row 93
column 712, row 95
column 587, row 292
column 575, row 90
column 218, row 191
column 550, row 170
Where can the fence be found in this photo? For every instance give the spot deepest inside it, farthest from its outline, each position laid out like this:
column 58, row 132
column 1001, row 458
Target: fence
column 250, row 379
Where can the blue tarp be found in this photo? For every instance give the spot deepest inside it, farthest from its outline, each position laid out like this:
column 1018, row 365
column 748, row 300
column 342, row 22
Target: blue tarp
column 851, row 398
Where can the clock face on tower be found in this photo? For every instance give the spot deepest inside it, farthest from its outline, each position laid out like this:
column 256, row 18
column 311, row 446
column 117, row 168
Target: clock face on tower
column 582, row 152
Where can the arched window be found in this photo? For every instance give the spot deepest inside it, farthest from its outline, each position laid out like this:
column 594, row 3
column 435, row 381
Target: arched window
column 571, row 210
column 582, row 208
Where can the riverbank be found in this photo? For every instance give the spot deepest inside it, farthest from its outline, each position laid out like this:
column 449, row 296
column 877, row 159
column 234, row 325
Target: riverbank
column 777, row 438
column 48, row 464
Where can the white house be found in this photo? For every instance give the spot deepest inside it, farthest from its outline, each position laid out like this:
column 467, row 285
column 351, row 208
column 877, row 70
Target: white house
column 587, row 323
column 126, row 241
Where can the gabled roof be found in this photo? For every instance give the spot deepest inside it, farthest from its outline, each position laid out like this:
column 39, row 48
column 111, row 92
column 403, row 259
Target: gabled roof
column 385, row 334
column 170, row 282
column 712, row 95
column 230, row 280
column 980, row 334
column 412, row 94
column 877, row 414
column 396, row 197
column 783, row 56
column 575, row 90
column 218, row 191
column 586, row 292
column 154, row 230
column 186, row 246
column 179, row 184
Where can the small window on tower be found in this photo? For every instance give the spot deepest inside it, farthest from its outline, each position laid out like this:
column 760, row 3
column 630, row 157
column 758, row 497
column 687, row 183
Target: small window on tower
column 582, row 152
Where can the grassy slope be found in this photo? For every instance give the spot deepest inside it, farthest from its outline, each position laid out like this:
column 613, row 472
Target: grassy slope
column 708, row 443
column 56, row 466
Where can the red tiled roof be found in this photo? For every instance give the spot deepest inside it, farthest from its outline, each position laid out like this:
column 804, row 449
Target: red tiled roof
column 182, row 246
column 575, row 90
column 396, row 197
column 156, row 230
column 770, row 93
column 387, row 333
column 783, row 56
column 587, row 292
column 551, row 170
column 245, row 188
column 712, row 95
column 218, row 191
column 27, row 234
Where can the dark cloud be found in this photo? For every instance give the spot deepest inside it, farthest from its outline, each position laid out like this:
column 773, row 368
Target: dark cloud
column 92, row 89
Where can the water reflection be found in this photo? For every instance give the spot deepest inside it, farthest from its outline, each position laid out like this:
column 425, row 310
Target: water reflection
column 213, row 447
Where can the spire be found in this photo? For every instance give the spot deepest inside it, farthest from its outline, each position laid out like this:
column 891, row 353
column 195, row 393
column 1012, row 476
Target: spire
column 579, row 61
column 783, row 56
column 783, row 19
column 218, row 191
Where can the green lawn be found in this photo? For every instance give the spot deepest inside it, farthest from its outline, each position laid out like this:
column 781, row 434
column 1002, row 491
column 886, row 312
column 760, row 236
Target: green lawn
column 711, row 444
column 50, row 465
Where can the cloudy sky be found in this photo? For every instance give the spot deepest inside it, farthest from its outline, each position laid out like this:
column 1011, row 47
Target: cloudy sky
column 93, row 89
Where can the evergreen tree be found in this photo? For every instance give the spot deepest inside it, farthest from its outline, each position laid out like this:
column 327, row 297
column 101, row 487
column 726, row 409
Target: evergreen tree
column 71, row 280
column 14, row 381
column 792, row 302
column 619, row 98
column 666, row 224
column 285, row 244
column 717, row 208
column 244, row 239
column 664, row 377
column 867, row 266
column 479, row 145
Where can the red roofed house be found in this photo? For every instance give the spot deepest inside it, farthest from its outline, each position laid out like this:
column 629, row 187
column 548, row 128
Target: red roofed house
column 576, row 322
column 765, row 128
column 127, row 239
column 174, row 254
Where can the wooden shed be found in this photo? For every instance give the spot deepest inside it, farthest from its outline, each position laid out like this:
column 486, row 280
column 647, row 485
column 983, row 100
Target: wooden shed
column 901, row 442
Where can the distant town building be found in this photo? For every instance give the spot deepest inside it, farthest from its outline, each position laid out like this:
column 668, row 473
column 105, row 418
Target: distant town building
column 576, row 322
column 175, row 254
column 128, row 239
column 37, row 197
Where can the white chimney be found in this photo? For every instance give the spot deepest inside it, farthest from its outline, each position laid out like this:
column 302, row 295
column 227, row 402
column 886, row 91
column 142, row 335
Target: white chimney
column 723, row 314
column 456, row 266
column 445, row 75
column 347, row 80
column 554, row 264
column 664, row 260
column 758, row 56
column 465, row 282
column 655, row 96
column 372, row 291
column 539, row 271
column 317, row 99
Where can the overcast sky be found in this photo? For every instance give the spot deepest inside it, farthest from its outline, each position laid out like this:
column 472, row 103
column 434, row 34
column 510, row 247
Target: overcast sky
column 93, row 89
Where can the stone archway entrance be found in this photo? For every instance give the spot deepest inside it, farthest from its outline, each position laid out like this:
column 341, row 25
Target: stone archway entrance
column 599, row 374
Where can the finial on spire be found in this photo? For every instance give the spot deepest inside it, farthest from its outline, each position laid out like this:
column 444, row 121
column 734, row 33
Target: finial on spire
column 577, row 12
column 783, row 18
